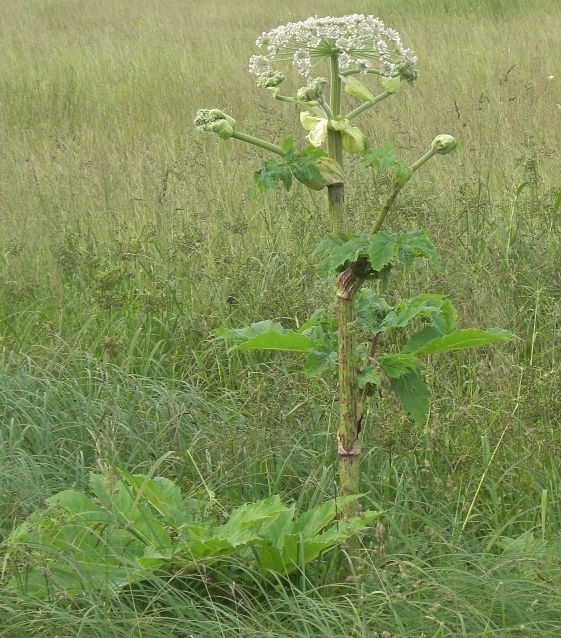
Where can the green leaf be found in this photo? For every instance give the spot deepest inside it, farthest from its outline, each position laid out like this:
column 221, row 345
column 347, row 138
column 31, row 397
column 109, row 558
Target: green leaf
column 467, row 338
column 371, row 310
column 273, row 172
column 369, row 376
column 288, row 341
column 413, row 394
column 288, row 144
column 399, row 365
column 322, row 359
column 314, row 520
column 420, row 338
column 380, row 159
column 381, row 248
column 415, row 243
column 243, row 334
column 437, row 308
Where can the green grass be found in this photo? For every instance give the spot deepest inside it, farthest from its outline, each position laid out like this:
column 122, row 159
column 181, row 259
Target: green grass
column 128, row 238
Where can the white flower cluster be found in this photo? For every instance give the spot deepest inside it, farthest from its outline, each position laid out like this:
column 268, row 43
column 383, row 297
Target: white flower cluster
column 362, row 40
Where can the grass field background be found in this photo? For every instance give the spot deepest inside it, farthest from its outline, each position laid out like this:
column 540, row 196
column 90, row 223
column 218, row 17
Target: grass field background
column 127, row 238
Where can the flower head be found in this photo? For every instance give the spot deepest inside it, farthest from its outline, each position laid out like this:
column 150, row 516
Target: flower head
column 312, row 91
column 444, row 144
column 215, row 121
column 360, row 40
column 270, row 79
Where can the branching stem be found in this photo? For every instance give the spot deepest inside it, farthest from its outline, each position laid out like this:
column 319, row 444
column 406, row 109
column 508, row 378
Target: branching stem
column 256, row 141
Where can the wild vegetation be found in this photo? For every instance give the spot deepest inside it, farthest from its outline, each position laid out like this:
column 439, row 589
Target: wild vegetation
column 128, row 239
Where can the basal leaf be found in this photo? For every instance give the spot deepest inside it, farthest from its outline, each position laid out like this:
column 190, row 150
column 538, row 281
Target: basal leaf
column 467, row 338
column 243, row 334
column 288, row 341
column 314, row 520
column 413, row 394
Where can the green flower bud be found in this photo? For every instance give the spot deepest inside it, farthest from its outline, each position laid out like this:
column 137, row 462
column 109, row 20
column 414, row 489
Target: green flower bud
column 407, row 71
column 270, row 79
column 444, row 144
column 356, row 88
column 331, row 173
column 215, row 121
column 391, row 85
column 312, row 91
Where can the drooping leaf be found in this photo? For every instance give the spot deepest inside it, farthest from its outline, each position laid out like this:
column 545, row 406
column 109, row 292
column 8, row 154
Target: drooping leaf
column 437, row 308
column 336, row 252
column 420, row 338
column 415, row 243
column 269, row 176
column 321, row 359
column 371, row 310
column 413, row 394
column 467, row 338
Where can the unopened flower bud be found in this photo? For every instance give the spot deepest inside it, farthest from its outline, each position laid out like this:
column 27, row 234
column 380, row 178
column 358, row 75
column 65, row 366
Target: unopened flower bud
column 270, row 79
column 407, row 71
column 444, row 144
column 312, row 91
column 215, row 121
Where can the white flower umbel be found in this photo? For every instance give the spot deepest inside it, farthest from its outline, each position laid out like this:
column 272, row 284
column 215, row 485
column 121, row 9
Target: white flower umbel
column 359, row 41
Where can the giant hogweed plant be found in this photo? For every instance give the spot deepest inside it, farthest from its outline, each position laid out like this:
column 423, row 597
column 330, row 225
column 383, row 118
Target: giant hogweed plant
column 343, row 49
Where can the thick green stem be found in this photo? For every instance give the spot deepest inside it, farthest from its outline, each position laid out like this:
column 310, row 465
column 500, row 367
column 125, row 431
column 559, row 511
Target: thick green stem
column 348, row 440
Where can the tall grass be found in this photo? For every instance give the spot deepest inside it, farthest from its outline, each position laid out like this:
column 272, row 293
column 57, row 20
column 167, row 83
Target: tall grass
column 125, row 244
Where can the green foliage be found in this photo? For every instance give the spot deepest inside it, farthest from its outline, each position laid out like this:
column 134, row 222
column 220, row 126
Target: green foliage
column 301, row 165
column 369, row 255
column 468, row 338
column 385, row 159
column 134, row 526
column 266, row 335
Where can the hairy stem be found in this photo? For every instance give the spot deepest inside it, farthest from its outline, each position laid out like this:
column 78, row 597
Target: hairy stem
column 348, row 440
column 256, row 141
column 363, row 107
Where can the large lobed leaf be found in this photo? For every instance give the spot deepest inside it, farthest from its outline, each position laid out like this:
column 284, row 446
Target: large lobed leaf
column 137, row 525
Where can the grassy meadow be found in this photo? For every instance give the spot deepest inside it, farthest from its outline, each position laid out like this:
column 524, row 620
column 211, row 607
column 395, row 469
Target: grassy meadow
column 127, row 239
